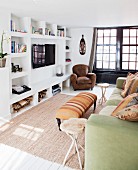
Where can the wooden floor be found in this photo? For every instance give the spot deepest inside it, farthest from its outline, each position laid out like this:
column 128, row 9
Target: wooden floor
column 15, row 159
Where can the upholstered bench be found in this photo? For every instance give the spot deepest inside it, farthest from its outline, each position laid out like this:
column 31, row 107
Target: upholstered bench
column 76, row 106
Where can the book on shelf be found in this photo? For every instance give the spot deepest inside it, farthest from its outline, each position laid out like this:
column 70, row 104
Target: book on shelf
column 18, row 48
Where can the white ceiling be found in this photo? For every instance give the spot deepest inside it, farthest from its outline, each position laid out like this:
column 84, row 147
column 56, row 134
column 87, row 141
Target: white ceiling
column 77, row 13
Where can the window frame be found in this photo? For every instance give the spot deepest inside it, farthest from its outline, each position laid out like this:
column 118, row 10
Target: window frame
column 119, row 48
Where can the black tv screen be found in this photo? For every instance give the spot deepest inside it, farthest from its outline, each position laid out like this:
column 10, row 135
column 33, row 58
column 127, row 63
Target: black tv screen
column 50, row 54
column 43, row 55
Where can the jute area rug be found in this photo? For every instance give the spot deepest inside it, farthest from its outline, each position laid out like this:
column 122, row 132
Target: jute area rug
column 36, row 132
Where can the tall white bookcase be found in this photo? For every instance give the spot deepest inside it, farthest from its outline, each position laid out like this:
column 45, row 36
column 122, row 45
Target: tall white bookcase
column 29, row 31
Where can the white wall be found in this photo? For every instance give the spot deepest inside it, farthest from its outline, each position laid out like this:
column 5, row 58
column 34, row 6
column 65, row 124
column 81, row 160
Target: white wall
column 76, row 34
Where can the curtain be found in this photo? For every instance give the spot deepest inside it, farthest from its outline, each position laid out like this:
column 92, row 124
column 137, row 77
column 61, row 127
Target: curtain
column 93, row 49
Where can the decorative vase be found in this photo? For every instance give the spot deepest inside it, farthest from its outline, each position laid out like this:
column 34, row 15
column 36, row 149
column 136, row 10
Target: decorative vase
column 2, row 62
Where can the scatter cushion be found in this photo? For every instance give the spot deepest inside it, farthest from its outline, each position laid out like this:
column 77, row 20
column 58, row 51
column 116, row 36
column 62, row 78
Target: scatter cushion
column 128, row 83
column 133, row 86
column 126, row 102
column 129, row 113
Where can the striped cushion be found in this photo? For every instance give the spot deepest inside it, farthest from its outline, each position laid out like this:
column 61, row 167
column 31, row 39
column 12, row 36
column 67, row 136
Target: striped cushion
column 76, row 106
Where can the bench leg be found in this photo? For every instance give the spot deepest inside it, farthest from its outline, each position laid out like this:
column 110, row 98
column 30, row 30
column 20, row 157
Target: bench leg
column 94, row 106
column 58, row 122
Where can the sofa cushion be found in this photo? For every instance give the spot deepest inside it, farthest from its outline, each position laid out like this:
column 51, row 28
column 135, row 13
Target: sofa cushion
column 128, row 101
column 114, row 100
column 107, row 110
column 83, row 80
column 129, row 113
column 117, row 91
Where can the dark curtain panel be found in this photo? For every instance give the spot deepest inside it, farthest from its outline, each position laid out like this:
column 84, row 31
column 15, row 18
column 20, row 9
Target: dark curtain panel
column 93, row 49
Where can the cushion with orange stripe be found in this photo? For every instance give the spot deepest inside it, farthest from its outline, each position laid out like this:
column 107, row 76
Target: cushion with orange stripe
column 76, row 106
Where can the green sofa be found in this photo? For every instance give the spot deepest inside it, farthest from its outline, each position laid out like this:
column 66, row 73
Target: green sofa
column 110, row 143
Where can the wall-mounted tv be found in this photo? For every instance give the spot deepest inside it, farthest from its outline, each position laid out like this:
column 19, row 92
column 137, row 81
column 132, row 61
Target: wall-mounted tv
column 43, row 55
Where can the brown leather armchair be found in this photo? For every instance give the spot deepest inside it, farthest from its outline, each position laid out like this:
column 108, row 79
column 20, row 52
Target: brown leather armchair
column 81, row 79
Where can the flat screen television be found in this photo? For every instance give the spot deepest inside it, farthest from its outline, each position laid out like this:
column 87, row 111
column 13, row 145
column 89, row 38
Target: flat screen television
column 43, row 55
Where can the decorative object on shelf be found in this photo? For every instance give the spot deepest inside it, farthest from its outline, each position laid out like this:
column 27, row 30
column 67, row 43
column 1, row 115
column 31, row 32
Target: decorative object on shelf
column 16, row 68
column 20, row 89
column 59, row 71
column 41, row 95
column 82, row 48
column 2, row 54
column 19, row 105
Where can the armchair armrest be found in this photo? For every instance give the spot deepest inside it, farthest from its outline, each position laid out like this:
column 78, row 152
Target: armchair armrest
column 92, row 76
column 111, row 143
column 120, row 81
column 73, row 78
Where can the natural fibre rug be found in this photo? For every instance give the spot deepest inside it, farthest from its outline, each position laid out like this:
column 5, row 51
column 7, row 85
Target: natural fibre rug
column 36, row 132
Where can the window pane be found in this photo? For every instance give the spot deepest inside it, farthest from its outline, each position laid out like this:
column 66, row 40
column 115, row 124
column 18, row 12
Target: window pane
column 125, row 65
column 113, row 40
column 125, row 32
column 106, row 40
column 106, row 49
column 112, row 57
column 132, row 65
column 133, row 32
column 125, row 49
column 132, row 49
column 126, row 40
column 125, row 57
column 100, row 40
column 132, row 57
column 106, row 32
column 112, row 49
column 113, row 32
column 132, row 40
column 99, row 56
column 105, row 64
column 99, row 64
column 100, row 33
column 99, row 49
column 112, row 65
column 106, row 57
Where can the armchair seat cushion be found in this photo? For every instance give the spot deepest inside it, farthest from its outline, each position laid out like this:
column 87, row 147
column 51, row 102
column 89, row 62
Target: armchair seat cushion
column 83, row 80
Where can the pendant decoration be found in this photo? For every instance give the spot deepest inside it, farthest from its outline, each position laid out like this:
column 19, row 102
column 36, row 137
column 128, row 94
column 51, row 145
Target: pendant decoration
column 82, row 47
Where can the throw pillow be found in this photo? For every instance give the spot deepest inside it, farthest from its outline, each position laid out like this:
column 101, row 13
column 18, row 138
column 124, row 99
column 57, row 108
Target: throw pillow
column 126, row 102
column 133, row 86
column 129, row 113
column 129, row 80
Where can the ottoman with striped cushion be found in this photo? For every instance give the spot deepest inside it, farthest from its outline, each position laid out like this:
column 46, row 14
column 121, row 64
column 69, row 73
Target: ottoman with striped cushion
column 76, row 106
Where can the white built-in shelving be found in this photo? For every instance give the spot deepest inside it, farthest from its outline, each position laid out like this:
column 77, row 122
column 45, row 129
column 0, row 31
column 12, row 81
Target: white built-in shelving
column 27, row 31
column 18, row 74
